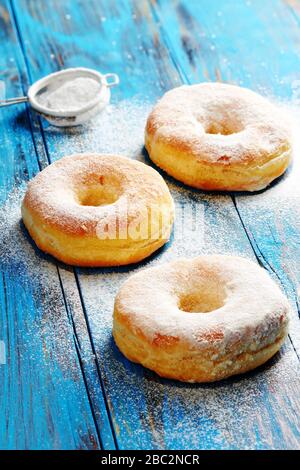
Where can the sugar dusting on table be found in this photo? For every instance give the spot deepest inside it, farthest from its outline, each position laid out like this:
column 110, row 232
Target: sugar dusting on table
column 214, row 412
column 35, row 278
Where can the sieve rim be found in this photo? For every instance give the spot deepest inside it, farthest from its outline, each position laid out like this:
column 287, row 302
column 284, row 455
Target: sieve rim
column 103, row 94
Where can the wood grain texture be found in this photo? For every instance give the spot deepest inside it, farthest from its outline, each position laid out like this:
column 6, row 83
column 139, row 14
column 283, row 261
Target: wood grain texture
column 154, row 46
column 44, row 399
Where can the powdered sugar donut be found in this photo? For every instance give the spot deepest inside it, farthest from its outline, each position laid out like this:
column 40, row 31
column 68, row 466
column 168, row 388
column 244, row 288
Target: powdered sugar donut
column 98, row 210
column 203, row 319
column 218, row 137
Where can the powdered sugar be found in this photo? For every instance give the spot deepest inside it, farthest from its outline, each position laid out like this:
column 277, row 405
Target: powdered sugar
column 119, row 129
column 70, row 95
column 34, row 275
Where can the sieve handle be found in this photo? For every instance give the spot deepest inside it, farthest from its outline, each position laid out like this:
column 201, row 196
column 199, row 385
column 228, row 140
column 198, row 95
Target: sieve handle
column 111, row 79
column 12, row 101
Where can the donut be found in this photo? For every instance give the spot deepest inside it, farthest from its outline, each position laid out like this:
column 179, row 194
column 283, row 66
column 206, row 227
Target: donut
column 215, row 136
column 98, row 210
column 202, row 320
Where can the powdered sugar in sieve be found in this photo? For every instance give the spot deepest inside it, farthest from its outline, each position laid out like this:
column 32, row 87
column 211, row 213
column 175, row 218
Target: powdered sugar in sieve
column 69, row 97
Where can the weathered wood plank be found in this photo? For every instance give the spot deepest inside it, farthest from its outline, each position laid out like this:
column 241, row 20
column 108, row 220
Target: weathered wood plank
column 70, row 294
column 44, row 402
column 256, row 411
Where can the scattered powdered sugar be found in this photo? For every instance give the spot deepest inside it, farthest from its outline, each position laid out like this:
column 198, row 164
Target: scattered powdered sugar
column 273, row 220
column 69, row 95
column 238, row 413
column 119, row 129
column 33, row 277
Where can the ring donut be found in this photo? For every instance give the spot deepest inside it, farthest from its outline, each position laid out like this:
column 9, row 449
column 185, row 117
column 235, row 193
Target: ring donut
column 98, row 210
column 216, row 136
column 202, row 320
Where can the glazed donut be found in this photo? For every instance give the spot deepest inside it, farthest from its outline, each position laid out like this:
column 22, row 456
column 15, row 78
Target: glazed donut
column 204, row 319
column 98, row 210
column 215, row 136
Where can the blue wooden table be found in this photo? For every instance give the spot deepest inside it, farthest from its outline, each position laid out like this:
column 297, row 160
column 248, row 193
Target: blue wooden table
column 63, row 383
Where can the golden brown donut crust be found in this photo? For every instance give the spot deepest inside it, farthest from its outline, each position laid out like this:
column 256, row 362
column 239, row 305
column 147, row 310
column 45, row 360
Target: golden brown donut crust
column 204, row 319
column 67, row 204
column 216, row 136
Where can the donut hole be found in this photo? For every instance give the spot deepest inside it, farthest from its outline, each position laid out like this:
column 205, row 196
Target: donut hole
column 203, row 300
column 224, row 128
column 98, row 195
